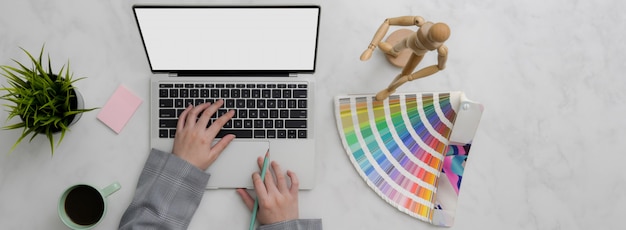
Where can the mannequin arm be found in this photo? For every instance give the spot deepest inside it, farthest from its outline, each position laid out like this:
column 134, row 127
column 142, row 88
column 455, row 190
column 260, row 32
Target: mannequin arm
column 442, row 58
column 382, row 30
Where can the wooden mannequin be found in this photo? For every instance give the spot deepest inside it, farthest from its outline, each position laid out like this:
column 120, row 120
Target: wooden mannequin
column 430, row 36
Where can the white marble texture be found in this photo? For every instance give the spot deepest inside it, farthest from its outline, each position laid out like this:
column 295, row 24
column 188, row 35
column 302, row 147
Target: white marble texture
column 546, row 155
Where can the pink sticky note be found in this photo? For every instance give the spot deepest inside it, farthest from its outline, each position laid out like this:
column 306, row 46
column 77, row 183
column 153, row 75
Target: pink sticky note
column 118, row 110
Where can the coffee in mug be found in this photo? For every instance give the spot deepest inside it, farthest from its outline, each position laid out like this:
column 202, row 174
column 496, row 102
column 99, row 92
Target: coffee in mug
column 83, row 206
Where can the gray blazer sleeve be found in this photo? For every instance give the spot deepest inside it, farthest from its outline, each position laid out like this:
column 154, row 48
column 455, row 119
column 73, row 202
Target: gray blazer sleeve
column 300, row 224
column 168, row 193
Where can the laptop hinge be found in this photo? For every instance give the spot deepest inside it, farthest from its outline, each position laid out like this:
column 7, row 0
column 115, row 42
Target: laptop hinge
column 293, row 74
column 173, row 74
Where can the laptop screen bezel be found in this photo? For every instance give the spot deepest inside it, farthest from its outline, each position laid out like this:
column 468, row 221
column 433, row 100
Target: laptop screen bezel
column 229, row 72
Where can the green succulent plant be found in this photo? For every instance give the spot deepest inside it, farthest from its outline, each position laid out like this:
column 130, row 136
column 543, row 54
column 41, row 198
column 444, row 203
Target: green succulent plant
column 46, row 102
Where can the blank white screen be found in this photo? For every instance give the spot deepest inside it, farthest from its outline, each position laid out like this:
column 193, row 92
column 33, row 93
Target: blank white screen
column 229, row 38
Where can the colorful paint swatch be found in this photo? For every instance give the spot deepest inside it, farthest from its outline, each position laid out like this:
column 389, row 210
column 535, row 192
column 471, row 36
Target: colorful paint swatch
column 400, row 147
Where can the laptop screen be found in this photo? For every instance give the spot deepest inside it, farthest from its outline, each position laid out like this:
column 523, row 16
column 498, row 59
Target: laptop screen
column 229, row 39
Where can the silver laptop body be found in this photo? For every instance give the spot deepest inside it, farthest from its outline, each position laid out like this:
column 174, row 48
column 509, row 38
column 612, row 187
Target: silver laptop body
column 198, row 51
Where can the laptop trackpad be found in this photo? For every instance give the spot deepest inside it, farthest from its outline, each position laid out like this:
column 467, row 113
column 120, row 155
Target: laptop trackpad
column 234, row 167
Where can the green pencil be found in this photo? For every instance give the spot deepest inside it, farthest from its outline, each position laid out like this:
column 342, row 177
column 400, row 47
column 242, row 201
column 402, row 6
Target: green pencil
column 256, row 201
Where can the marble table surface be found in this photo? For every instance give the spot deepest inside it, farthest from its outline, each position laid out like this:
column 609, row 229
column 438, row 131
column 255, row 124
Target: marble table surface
column 546, row 154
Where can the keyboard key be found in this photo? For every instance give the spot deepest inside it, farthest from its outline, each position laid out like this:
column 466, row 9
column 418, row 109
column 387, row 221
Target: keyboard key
column 298, row 113
column 295, row 123
column 260, row 103
column 291, row 134
column 242, row 113
column 163, row 93
column 253, row 113
column 302, row 86
column 281, row 133
column 215, row 93
column 266, row 93
column 168, row 123
column 204, row 93
column 228, row 124
column 299, row 93
column 274, row 113
column 302, row 103
column 167, row 113
column 199, row 85
column 173, row 92
column 189, row 102
column 240, row 103
column 221, row 112
column 235, row 93
column 259, row 133
column 239, row 133
column 247, row 123
column 258, row 124
column 269, row 124
column 278, row 124
column 172, row 133
column 250, row 103
column 164, row 133
column 256, row 93
column 292, row 103
column 166, row 86
column 166, row 103
column 263, row 113
column 286, row 93
column 194, row 93
column 245, row 93
column 188, row 85
column 276, row 93
column 284, row 113
column 224, row 93
column 271, row 103
column 271, row 134
column 301, row 133
column 281, row 103
column 237, row 123
column 179, row 103
column 184, row 93
column 229, row 103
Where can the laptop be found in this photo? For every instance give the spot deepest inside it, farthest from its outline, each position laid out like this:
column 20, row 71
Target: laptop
column 258, row 59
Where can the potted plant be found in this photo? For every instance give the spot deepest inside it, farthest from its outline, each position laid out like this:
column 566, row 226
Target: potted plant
column 46, row 102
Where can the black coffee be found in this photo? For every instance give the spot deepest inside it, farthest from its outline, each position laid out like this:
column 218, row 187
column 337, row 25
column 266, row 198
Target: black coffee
column 84, row 205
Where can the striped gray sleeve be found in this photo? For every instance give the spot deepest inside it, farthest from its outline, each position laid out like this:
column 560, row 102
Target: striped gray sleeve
column 299, row 224
column 168, row 193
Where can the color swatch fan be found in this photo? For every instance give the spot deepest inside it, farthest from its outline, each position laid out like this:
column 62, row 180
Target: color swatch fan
column 411, row 149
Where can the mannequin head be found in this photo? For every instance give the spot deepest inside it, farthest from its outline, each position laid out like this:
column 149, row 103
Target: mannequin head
column 439, row 32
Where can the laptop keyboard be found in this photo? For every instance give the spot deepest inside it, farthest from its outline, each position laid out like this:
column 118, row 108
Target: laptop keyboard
column 262, row 111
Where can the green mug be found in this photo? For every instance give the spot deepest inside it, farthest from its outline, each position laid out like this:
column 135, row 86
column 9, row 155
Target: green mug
column 82, row 206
